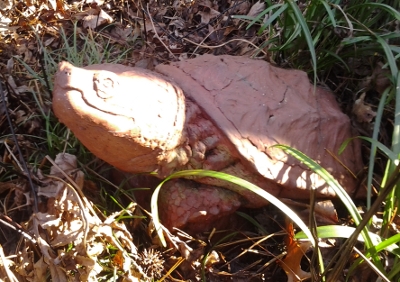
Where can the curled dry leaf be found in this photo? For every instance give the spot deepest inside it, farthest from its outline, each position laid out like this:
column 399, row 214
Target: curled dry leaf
column 24, row 51
column 295, row 252
column 363, row 111
column 324, row 212
column 326, row 209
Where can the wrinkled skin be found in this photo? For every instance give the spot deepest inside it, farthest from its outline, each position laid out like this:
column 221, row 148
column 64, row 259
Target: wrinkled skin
column 218, row 113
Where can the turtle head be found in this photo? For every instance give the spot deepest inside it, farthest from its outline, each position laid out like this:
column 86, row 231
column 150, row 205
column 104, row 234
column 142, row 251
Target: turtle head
column 113, row 108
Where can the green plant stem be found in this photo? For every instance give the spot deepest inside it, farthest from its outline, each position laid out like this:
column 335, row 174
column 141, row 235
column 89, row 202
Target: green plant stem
column 374, row 146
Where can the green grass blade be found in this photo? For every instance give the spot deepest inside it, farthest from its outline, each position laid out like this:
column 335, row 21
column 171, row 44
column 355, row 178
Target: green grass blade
column 337, row 57
column 307, row 35
column 389, row 56
column 273, row 17
column 389, row 153
column 392, row 12
column 341, row 193
column 331, row 16
column 374, row 146
column 230, row 178
column 254, row 222
column 295, row 33
column 396, row 130
column 339, row 231
column 258, row 19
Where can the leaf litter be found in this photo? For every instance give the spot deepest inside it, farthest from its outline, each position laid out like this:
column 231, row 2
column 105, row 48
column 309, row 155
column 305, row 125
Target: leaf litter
column 76, row 235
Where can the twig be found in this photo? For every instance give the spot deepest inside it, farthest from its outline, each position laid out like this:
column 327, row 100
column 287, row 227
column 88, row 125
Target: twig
column 155, row 32
column 79, row 196
column 21, row 159
column 18, row 228
column 370, row 264
column 218, row 46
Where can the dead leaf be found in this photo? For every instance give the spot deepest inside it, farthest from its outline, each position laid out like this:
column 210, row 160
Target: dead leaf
column 207, row 14
column 52, row 261
column 23, row 49
column 10, row 64
column 5, row 265
column 212, row 258
column 53, row 4
column 378, row 80
column 40, row 270
column 6, row 4
column 90, row 268
column 66, row 224
column 122, row 33
column 326, row 209
column 239, row 8
column 256, row 9
column 295, row 252
column 118, row 259
column 66, row 162
column 51, row 190
column 363, row 111
column 95, row 20
column 25, row 265
column 12, row 84
column 98, row 2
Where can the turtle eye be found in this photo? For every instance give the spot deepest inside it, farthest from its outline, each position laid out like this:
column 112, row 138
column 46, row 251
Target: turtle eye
column 105, row 84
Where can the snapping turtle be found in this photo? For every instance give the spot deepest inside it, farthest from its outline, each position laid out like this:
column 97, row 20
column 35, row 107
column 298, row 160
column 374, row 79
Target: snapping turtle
column 220, row 113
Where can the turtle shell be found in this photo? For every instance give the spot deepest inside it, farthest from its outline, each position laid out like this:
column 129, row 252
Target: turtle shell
column 257, row 105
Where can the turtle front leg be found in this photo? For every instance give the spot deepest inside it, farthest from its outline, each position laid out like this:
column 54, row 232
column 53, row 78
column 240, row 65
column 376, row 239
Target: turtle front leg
column 193, row 206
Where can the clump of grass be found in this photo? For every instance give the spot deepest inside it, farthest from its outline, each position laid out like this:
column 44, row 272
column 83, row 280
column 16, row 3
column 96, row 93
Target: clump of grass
column 329, row 37
column 373, row 243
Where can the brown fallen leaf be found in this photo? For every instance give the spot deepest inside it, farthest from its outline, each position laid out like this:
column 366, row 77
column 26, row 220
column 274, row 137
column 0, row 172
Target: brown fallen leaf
column 256, row 9
column 378, row 80
column 93, row 21
column 295, row 252
column 207, row 14
column 363, row 111
column 72, row 222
